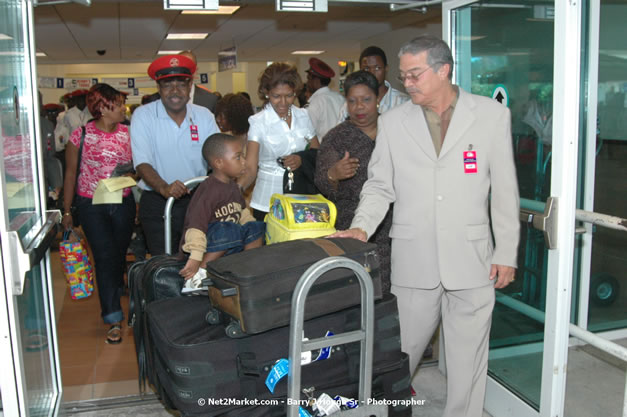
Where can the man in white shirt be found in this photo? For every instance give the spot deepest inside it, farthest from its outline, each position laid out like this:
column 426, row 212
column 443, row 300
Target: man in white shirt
column 373, row 60
column 61, row 134
column 324, row 103
column 78, row 115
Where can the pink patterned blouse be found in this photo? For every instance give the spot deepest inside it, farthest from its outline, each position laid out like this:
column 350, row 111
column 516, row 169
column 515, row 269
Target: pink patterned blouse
column 102, row 152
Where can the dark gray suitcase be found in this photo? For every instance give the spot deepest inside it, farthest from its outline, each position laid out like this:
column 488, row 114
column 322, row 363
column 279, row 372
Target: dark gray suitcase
column 254, row 288
column 150, row 280
column 198, row 364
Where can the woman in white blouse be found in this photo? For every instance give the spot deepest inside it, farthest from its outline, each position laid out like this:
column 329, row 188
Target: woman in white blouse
column 276, row 133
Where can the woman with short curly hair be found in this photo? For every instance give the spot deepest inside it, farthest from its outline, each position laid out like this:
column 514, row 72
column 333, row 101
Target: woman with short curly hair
column 108, row 227
column 232, row 113
column 276, row 134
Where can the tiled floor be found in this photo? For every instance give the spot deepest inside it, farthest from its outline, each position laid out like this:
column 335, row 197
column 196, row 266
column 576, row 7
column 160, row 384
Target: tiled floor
column 90, row 368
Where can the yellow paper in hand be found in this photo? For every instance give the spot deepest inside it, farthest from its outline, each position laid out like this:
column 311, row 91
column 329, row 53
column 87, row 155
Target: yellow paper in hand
column 118, row 183
column 103, row 196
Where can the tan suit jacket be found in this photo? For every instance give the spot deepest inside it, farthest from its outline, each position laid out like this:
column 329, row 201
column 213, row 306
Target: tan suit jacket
column 443, row 217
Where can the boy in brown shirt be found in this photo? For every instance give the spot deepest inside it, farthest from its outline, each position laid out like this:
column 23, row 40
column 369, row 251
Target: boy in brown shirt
column 217, row 222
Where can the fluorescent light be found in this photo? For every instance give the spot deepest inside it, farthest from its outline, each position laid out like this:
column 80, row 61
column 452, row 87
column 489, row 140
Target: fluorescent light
column 307, row 52
column 4, row 37
column 40, row 54
column 168, row 52
column 221, row 10
column 187, row 35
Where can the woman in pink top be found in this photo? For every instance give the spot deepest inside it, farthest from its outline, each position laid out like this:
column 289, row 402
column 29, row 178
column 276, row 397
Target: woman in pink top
column 108, row 227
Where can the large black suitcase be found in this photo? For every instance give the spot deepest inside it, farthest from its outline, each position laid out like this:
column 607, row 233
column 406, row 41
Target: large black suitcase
column 201, row 371
column 255, row 287
column 150, row 280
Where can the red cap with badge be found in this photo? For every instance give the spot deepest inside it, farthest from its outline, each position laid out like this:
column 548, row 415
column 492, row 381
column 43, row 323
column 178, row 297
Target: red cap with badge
column 171, row 66
column 53, row 107
column 78, row 93
column 319, row 68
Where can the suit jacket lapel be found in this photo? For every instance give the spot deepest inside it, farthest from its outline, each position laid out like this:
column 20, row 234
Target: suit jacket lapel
column 416, row 126
column 463, row 117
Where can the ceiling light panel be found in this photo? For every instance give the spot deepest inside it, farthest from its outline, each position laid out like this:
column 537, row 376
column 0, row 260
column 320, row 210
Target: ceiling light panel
column 221, row 10
column 187, row 35
column 307, row 52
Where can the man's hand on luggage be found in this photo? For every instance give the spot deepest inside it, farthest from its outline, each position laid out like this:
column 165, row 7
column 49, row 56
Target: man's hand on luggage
column 177, row 190
column 356, row 233
column 503, row 274
column 190, row 269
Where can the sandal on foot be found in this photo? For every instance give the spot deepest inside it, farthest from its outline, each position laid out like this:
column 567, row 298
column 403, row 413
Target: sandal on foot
column 114, row 335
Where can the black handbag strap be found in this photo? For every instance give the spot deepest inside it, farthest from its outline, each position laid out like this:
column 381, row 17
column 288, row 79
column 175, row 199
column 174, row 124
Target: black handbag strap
column 78, row 163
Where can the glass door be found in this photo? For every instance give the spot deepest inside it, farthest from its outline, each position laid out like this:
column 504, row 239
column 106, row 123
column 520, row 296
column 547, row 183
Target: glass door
column 526, row 54
column 30, row 378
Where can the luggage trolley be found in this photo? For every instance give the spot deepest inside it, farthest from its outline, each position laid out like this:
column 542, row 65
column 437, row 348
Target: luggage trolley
column 167, row 214
column 364, row 336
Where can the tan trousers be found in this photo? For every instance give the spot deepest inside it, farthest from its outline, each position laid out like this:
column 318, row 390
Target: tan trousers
column 466, row 316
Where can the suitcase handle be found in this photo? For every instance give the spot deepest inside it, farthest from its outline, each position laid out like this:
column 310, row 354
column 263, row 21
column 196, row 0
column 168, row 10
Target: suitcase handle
column 228, row 292
column 247, row 364
column 167, row 218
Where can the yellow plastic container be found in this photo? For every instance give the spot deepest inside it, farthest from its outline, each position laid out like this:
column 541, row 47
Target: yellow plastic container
column 299, row 216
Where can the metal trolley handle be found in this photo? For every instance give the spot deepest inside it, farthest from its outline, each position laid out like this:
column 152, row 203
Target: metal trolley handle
column 167, row 214
column 365, row 335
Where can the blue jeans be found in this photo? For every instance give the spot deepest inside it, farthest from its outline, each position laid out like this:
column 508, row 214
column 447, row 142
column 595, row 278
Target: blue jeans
column 108, row 229
column 232, row 237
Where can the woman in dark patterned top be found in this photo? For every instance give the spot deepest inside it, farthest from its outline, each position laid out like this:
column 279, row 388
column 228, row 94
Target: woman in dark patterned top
column 342, row 161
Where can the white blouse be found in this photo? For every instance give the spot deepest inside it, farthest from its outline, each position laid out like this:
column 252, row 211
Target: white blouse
column 276, row 139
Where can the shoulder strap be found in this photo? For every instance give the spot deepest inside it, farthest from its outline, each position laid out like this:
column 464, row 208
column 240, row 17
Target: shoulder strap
column 78, row 162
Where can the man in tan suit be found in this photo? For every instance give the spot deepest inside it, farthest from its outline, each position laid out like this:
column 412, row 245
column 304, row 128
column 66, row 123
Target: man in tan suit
column 445, row 160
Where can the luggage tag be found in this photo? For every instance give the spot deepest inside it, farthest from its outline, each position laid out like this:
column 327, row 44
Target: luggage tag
column 194, row 132
column 324, row 353
column 278, row 371
column 326, row 405
column 349, row 403
column 470, row 161
column 307, row 357
column 303, row 413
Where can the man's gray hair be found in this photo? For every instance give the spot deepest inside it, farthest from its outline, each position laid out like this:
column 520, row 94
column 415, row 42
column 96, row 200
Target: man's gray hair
column 438, row 52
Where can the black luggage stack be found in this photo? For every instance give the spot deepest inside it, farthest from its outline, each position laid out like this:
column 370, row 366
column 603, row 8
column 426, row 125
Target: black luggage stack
column 198, row 369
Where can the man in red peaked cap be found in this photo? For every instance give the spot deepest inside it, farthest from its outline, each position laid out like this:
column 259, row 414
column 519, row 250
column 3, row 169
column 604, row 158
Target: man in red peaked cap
column 167, row 137
column 324, row 104
column 75, row 117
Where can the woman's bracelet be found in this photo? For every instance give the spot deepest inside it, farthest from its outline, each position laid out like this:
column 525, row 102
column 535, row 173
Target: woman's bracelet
column 67, row 213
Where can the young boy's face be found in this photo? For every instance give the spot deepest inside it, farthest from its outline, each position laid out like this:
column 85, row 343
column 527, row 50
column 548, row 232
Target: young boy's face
column 233, row 161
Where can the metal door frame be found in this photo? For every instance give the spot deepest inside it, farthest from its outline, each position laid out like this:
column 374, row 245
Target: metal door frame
column 566, row 98
column 12, row 379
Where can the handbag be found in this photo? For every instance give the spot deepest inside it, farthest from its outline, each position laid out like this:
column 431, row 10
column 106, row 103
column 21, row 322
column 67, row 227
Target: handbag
column 76, row 265
column 74, row 206
column 302, row 180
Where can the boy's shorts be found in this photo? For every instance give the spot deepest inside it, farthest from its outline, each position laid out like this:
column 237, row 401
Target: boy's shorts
column 232, row 237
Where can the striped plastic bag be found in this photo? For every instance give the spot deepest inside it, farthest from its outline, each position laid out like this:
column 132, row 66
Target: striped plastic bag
column 76, row 266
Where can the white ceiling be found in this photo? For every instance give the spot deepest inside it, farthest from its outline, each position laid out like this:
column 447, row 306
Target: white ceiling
column 135, row 30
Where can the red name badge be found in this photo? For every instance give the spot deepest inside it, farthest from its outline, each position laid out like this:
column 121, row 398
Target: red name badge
column 194, row 131
column 470, row 162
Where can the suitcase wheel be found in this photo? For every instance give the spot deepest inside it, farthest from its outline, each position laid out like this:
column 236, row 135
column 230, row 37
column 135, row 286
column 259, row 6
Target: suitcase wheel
column 234, row 330
column 213, row 317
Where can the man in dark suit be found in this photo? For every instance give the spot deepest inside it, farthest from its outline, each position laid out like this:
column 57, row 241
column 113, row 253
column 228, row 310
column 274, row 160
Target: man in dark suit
column 199, row 95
